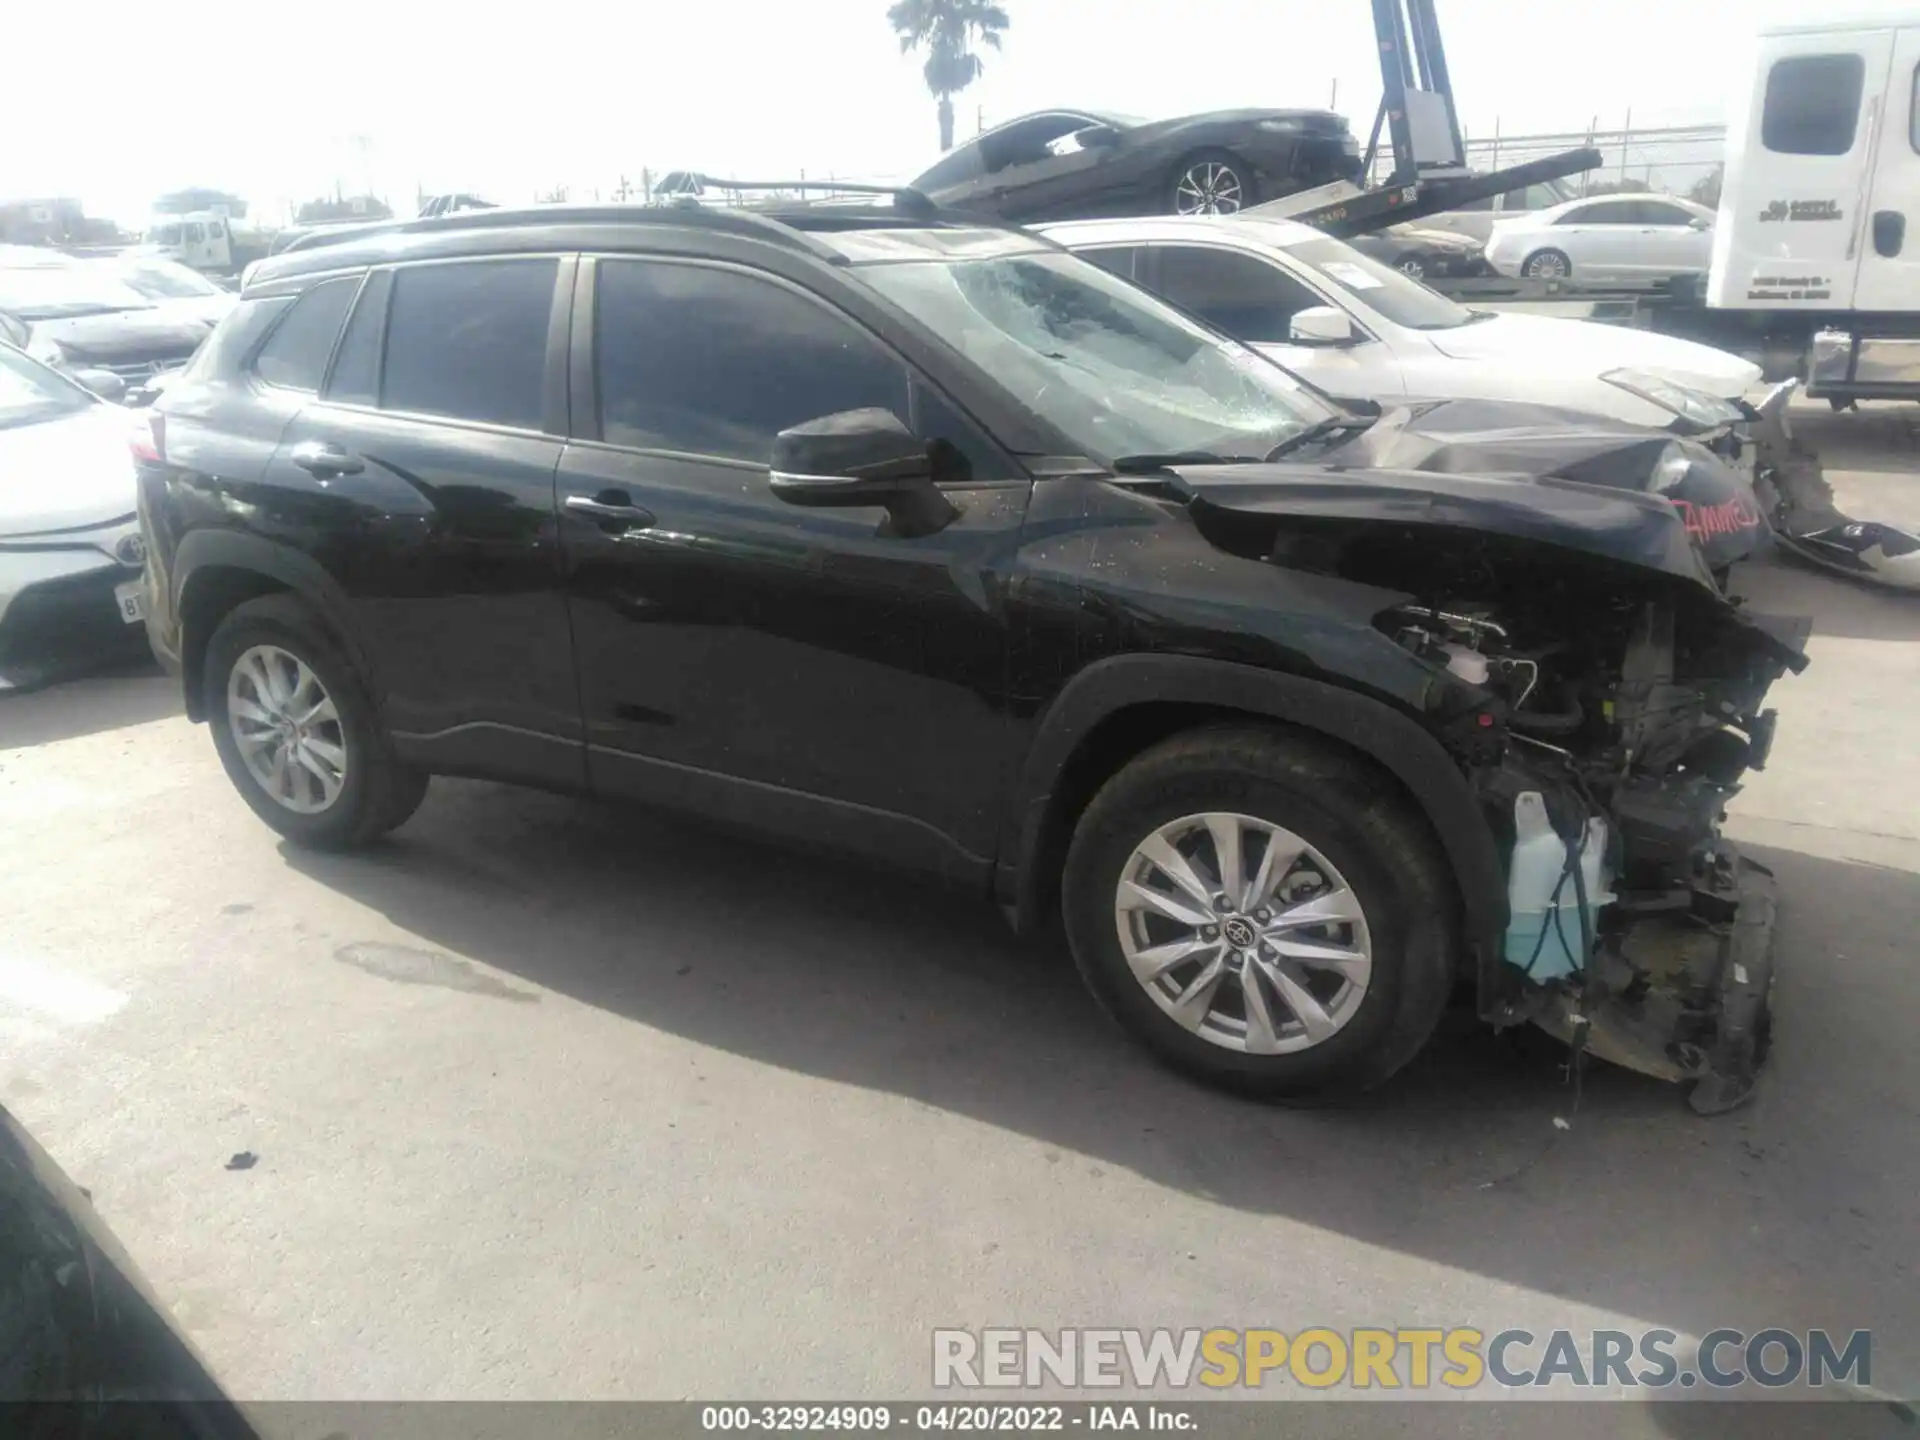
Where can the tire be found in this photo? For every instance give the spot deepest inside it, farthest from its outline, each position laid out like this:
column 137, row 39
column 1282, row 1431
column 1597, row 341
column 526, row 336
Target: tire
column 1352, row 820
column 374, row 793
column 1217, row 173
column 1547, row 265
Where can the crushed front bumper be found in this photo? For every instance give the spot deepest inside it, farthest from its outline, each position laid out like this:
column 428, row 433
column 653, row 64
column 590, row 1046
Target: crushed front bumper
column 1685, row 995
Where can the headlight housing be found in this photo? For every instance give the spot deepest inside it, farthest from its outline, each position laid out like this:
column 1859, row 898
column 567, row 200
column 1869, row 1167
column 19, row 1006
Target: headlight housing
column 1708, row 412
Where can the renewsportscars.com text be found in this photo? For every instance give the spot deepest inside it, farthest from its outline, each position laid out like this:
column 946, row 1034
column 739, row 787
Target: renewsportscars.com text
column 1459, row 1358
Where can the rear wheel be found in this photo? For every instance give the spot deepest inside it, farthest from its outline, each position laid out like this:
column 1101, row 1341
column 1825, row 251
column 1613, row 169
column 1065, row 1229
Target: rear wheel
column 1262, row 913
column 1213, row 182
column 1547, row 265
column 297, row 731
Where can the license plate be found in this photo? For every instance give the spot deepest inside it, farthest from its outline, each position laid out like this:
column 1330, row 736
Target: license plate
column 132, row 600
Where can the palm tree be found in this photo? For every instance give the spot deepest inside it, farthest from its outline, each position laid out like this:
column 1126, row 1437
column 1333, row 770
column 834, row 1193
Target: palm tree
column 946, row 29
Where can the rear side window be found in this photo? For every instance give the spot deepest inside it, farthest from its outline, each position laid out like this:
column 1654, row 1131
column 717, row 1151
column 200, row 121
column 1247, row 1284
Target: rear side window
column 1813, row 104
column 715, row 362
column 356, row 368
column 296, row 354
column 1239, row 294
column 1607, row 212
column 468, row 340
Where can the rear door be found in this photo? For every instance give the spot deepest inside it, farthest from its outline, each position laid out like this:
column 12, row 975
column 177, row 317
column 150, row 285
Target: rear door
column 1794, row 214
column 421, row 477
column 1889, row 276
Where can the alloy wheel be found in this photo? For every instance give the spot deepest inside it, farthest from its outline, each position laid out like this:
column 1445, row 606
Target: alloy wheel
column 1547, row 266
column 1413, row 265
column 1208, row 188
column 1243, row 933
column 287, row 729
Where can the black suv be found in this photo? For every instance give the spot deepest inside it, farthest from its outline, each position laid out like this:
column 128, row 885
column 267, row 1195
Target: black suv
column 924, row 540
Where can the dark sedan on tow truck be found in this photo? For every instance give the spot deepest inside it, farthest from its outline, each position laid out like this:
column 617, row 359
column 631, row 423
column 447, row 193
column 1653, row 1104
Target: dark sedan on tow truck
column 1079, row 164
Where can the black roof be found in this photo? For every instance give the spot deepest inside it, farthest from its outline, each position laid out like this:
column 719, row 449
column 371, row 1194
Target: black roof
column 616, row 226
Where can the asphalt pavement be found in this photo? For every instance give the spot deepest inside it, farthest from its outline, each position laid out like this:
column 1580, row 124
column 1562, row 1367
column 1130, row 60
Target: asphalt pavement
column 549, row 1099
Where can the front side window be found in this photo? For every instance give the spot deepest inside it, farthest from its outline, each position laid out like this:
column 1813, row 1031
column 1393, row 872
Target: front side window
column 1380, row 288
column 1812, row 105
column 1655, row 212
column 1239, row 294
column 1116, row 371
column 296, row 353
column 468, row 340
column 715, row 362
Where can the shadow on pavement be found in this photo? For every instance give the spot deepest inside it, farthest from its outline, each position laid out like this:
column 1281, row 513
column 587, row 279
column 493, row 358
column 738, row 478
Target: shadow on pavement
column 129, row 695
column 1799, row 1211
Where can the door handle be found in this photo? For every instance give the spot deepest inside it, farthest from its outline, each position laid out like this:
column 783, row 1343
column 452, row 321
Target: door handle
column 323, row 461
column 1889, row 232
column 612, row 510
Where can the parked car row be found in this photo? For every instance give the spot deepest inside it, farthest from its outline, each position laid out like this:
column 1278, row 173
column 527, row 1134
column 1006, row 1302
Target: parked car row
column 925, row 539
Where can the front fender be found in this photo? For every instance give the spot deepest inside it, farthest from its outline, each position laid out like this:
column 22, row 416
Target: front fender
column 1402, row 747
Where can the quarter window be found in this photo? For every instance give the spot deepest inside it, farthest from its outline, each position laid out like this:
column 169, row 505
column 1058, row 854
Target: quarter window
column 715, row 362
column 1813, row 104
column 296, row 353
column 469, row 340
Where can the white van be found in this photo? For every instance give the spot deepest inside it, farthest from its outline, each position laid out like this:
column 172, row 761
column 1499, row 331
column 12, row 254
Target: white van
column 1818, row 236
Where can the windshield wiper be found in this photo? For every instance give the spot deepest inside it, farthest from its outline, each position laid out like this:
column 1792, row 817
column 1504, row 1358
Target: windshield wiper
column 1323, row 430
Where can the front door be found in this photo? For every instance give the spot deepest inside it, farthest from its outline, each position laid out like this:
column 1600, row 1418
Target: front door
column 1890, row 232
column 799, row 670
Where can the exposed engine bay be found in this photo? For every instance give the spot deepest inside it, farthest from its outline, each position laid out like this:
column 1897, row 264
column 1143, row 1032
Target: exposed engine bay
column 1604, row 731
column 1603, row 696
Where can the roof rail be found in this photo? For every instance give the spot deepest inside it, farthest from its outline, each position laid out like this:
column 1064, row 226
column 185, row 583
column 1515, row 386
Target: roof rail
column 907, row 200
column 510, row 217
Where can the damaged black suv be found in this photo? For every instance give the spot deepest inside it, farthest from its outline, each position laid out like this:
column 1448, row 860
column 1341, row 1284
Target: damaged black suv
column 927, row 542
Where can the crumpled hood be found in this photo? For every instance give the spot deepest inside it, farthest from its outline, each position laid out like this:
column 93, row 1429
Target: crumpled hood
column 66, row 474
column 125, row 335
column 1497, row 437
column 1616, row 525
column 1591, row 348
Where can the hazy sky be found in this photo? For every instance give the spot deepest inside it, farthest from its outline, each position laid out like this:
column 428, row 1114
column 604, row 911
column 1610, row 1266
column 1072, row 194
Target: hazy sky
column 509, row 98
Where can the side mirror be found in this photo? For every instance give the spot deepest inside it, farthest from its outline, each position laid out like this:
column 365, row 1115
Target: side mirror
column 1696, row 223
column 104, row 383
column 1321, row 325
column 857, row 457
column 1097, row 137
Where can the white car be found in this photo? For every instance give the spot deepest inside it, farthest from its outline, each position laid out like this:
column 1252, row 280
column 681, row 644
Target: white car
column 72, row 558
column 1606, row 238
column 1361, row 330
column 173, row 288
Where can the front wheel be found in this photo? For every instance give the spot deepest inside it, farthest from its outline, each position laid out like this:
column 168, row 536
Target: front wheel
column 1263, row 913
column 1547, row 265
column 297, row 732
column 1214, row 182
